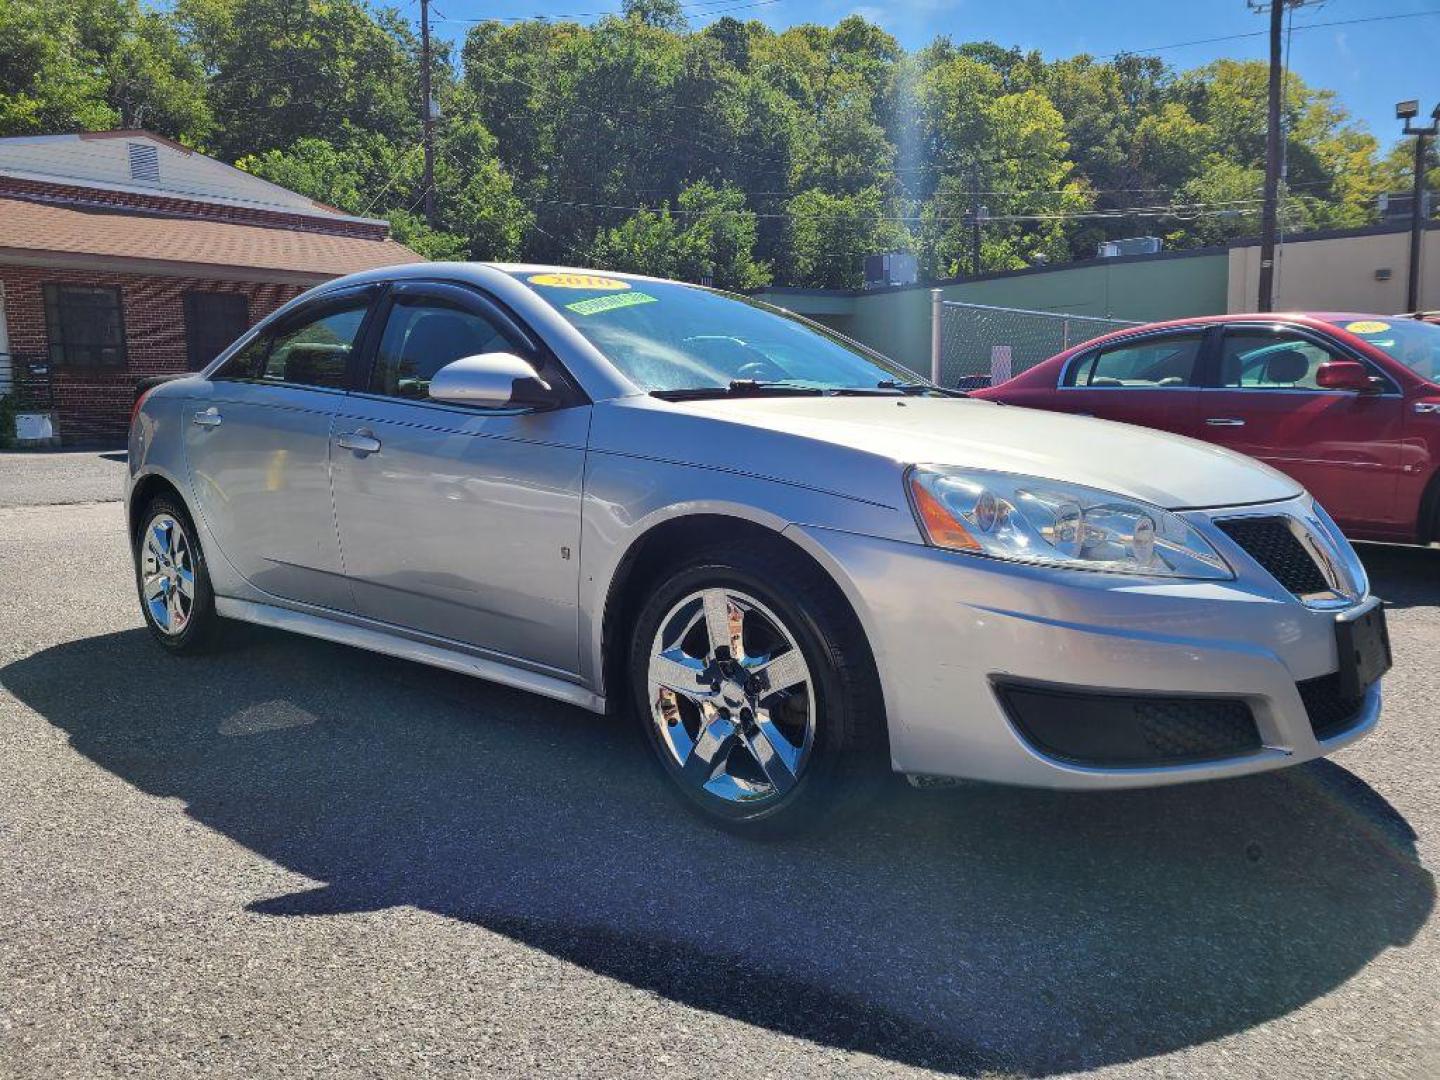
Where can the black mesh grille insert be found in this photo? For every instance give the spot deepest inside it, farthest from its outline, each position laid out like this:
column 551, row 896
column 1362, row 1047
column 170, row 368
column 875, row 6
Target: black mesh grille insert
column 1330, row 712
column 1269, row 541
column 1117, row 729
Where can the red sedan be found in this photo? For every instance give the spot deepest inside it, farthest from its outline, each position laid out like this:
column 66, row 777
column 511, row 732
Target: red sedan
column 1349, row 405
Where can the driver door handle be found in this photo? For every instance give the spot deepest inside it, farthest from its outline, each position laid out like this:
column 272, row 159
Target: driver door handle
column 1225, row 421
column 362, row 442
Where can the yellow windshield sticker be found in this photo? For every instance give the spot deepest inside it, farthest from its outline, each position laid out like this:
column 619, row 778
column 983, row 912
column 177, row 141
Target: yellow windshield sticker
column 1367, row 326
column 578, row 281
column 596, row 304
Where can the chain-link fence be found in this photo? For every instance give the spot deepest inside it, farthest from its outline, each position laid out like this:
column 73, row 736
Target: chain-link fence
column 980, row 345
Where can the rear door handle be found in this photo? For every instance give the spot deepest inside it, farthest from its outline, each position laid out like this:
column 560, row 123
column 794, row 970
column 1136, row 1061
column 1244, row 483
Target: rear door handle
column 1225, row 421
column 362, row 441
column 207, row 417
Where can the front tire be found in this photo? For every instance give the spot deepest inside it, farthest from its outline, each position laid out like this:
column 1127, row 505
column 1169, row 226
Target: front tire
column 173, row 581
column 756, row 690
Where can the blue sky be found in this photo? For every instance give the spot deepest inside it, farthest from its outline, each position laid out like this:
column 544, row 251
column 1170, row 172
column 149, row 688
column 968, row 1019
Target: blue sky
column 1370, row 64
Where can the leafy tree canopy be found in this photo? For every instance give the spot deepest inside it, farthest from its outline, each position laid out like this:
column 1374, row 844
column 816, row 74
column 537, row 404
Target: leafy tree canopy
column 734, row 153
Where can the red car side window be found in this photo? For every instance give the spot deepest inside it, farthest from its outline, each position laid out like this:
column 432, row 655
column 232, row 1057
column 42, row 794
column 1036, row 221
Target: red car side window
column 1149, row 363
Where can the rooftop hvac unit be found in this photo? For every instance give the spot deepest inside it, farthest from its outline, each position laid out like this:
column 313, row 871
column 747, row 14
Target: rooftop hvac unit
column 1395, row 206
column 891, row 268
column 1131, row 245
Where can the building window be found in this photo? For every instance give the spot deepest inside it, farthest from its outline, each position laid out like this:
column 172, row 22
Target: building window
column 212, row 321
column 85, row 325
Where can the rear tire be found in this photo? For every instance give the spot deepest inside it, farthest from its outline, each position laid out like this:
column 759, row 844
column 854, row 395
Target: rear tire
column 173, row 580
column 786, row 736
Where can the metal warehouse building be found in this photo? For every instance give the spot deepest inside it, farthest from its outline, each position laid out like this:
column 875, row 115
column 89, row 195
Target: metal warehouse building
column 1350, row 270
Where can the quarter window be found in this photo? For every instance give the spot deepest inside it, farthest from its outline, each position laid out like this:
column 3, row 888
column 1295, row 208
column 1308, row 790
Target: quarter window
column 1147, row 364
column 85, row 326
column 421, row 337
column 313, row 351
column 1256, row 360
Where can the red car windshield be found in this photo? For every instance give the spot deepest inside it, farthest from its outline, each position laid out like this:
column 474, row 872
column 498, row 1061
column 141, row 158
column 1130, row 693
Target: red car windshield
column 1414, row 343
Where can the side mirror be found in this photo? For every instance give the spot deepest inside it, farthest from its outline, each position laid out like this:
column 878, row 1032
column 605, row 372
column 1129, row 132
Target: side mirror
column 494, row 380
column 1344, row 375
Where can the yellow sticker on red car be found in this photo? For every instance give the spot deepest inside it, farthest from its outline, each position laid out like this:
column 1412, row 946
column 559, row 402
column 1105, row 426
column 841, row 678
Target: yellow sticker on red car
column 1367, row 326
column 578, row 281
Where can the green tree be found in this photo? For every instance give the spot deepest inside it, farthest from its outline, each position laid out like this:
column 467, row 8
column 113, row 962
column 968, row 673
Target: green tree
column 709, row 239
column 94, row 64
column 830, row 235
column 283, row 70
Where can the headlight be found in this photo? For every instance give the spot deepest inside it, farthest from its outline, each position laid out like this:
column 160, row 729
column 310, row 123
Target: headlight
column 1027, row 519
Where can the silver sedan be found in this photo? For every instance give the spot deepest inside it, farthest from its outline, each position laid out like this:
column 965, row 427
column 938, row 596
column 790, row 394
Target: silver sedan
column 800, row 567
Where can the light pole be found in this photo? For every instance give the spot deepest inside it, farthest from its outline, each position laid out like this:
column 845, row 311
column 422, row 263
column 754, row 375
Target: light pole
column 1407, row 111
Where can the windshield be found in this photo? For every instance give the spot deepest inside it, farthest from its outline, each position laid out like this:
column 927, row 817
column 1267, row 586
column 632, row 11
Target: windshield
column 1414, row 343
column 670, row 337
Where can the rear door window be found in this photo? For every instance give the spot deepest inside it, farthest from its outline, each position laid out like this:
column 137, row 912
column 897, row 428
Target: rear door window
column 1151, row 363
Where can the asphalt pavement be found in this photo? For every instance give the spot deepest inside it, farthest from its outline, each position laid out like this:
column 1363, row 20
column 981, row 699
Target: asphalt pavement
column 58, row 477
column 298, row 859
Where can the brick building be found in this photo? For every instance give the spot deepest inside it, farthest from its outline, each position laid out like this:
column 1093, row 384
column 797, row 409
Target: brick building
column 125, row 255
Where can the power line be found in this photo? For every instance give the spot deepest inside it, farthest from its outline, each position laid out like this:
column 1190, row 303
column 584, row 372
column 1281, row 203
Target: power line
column 399, row 170
column 1182, row 211
column 700, row 10
column 1263, row 33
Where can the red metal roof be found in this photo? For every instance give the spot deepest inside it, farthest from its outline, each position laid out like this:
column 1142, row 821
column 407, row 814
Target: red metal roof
column 44, row 227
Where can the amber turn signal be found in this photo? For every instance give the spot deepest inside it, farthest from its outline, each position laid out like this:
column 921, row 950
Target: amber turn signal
column 940, row 525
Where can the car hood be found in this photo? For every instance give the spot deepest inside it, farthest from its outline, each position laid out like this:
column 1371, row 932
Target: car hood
column 786, row 438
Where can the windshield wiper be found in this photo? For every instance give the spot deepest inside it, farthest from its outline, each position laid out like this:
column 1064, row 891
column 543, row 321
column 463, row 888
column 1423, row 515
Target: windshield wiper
column 739, row 388
column 779, row 388
column 914, row 389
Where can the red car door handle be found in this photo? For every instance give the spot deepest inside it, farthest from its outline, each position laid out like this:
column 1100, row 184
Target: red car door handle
column 1225, row 421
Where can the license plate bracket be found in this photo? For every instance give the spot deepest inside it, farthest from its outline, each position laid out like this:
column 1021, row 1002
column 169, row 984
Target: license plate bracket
column 1362, row 640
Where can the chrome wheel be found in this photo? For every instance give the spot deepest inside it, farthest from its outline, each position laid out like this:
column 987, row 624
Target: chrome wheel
column 167, row 575
column 731, row 697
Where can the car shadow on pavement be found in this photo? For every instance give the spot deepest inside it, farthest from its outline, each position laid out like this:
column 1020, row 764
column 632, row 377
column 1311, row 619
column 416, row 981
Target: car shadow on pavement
column 1404, row 576
column 970, row 929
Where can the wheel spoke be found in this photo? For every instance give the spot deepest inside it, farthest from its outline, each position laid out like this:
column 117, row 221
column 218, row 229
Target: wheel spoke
column 775, row 756
column 158, row 542
column 708, row 755
column 781, row 672
column 185, row 582
column 725, row 622
column 675, row 671
column 153, row 585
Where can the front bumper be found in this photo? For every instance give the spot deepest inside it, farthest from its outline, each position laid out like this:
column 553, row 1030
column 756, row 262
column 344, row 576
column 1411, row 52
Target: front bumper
column 950, row 631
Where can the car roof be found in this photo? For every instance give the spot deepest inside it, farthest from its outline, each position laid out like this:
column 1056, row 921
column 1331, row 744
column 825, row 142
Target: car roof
column 1303, row 317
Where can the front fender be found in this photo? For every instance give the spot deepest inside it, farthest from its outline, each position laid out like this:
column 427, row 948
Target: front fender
column 627, row 498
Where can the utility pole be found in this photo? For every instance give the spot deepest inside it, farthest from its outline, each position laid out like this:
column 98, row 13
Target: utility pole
column 1268, row 221
column 1407, row 111
column 975, row 219
column 427, row 113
